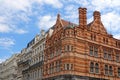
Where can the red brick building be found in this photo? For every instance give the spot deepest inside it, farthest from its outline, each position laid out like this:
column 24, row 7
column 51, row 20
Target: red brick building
column 81, row 52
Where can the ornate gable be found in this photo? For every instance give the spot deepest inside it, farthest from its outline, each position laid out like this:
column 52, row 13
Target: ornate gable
column 96, row 25
column 58, row 24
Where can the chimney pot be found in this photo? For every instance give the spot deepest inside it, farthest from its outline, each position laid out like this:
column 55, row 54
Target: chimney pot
column 58, row 16
column 97, row 15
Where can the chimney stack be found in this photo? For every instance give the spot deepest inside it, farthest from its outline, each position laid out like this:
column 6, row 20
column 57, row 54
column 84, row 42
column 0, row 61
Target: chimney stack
column 82, row 17
column 97, row 15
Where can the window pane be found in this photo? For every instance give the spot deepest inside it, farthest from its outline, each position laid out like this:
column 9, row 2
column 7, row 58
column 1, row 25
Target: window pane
column 110, row 70
column 91, row 50
column 96, row 52
column 67, row 66
column 96, row 68
column 117, row 57
column 109, row 57
column 118, row 71
column 105, row 55
column 91, row 67
column 106, row 69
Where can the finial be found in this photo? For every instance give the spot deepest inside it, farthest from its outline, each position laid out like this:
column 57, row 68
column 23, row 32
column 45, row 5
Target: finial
column 58, row 16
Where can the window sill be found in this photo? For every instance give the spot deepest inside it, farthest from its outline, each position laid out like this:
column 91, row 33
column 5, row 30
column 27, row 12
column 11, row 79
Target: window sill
column 93, row 73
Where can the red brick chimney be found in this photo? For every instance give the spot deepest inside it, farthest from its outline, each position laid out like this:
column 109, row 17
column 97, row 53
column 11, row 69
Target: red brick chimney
column 97, row 15
column 82, row 17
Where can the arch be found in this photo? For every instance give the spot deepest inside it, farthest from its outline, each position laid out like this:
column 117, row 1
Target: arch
column 91, row 67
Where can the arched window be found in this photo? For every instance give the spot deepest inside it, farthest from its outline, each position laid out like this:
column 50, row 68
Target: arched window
column 110, row 70
column 106, row 69
column 96, row 68
column 91, row 67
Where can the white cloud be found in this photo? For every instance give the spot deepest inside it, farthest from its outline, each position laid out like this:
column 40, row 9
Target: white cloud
column 109, row 13
column 98, row 4
column 84, row 3
column 71, row 12
column 102, row 4
column 46, row 21
column 54, row 3
column 2, row 60
column 20, row 31
column 5, row 28
column 23, row 17
column 111, row 21
column 22, row 5
column 12, row 13
column 6, row 43
column 117, row 36
column 2, row 19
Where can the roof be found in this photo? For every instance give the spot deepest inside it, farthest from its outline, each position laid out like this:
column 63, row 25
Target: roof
column 67, row 23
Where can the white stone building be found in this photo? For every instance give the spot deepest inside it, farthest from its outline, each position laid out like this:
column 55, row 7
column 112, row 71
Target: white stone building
column 23, row 62
column 37, row 59
column 0, row 71
column 30, row 63
column 8, row 69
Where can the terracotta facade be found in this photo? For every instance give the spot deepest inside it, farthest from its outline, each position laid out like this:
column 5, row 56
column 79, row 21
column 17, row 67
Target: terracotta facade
column 81, row 52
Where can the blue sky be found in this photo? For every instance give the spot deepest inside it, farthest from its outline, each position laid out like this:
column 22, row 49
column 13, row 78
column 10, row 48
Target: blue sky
column 21, row 20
